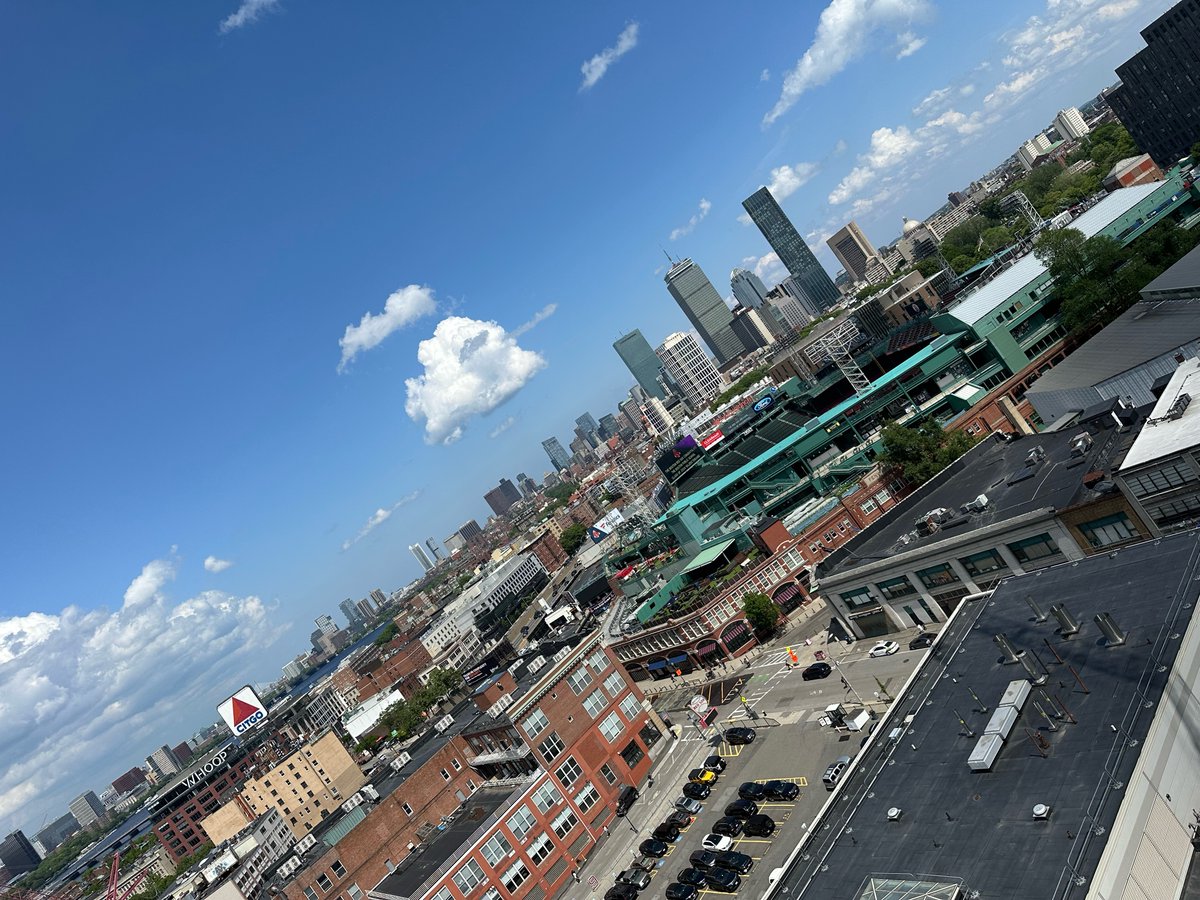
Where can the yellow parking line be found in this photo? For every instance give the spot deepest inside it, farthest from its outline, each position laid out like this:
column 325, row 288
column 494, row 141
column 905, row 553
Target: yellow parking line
column 797, row 780
column 773, row 803
column 753, row 841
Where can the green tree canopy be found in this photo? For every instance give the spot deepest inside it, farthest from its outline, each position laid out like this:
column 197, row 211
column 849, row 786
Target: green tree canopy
column 562, row 491
column 389, row 632
column 572, row 538
column 918, row 453
column 761, row 612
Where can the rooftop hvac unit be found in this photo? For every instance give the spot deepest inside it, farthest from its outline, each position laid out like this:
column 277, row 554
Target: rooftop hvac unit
column 536, row 664
column 1178, row 407
column 309, row 840
column 987, row 748
column 1035, row 456
column 978, row 505
column 1081, row 444
column 1016, row 694
column 443, row 723
column 401, row 760
column 368, row 791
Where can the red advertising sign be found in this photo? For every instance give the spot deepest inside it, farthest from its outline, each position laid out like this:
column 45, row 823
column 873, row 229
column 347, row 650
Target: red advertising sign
column 713, row 439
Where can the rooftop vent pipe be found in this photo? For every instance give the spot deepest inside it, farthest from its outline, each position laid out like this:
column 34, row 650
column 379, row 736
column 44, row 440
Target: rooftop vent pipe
column 1114, row 636
column 1038, row 614
column 1067, row 624
column 1006, row 647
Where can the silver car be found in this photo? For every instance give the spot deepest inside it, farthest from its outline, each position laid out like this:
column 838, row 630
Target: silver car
column 688, row 805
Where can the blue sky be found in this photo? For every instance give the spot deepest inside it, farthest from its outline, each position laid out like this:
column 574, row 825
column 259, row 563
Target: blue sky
column 288, row 286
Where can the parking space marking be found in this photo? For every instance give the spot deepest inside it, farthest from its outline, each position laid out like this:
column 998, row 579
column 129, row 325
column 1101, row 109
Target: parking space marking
column 729, row 750
column 753, row 841
column 798, row 780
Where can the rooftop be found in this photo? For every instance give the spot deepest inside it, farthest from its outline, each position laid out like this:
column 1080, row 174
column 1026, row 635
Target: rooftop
column 1165, row 431
column 994, row 469
column 979, row 827
column 1182, row 279
column 424, row 862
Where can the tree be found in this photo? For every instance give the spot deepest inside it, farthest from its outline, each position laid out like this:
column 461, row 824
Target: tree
column 389, row 632
column 761, row 612
column 572, row 538
column 1194, row 153
column 918, row 453
column 928, row 266
column 1062, row 252
column 561, row 491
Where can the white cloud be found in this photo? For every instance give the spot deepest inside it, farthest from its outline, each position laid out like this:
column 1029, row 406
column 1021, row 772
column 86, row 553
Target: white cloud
column 247, row 14
column 908, row 43
column 768, row 267
column 957, row 121
column 857, row 179
column 378, row 517
column 890, row 145
column 786, row 180
column 966, row 90
column 538, row 317
column 471, row 368
column 696, row 219
column 932, row 101
column 83, row 693
column 593, row 70
column 213, row 564
column 764, row 75
column 503, row 427
column 1014, row 87
column 402, row 308
column 843, row 33
column 1117, row 10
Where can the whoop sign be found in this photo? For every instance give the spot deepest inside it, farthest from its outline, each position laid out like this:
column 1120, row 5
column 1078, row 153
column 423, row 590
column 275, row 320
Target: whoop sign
column 243, row 711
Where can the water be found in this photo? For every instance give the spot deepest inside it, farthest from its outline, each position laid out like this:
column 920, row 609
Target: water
column 321, row 671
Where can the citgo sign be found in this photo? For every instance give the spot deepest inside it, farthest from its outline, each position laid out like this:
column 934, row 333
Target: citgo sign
column 243, row 711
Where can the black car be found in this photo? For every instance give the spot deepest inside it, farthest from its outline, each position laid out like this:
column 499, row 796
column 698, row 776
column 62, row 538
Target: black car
column 921, row 641
column 758, row 826
column 781, row 790
column 677, row 891
column 702, row 859
column 816, row 670
column 621, row 892
column 735, row 862
column 678, row 818
column 696, row 791
column 730, row 826
column 692, row 877
column 635, row 878
column 626, row 798
column 654, row 848
column 740, row 735
column 668, row 834
column 715, row 763
column 742, row 809
column 752, row 790
column 722, row 880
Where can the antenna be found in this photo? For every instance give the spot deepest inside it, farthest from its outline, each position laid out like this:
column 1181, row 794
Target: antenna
column 665, row 253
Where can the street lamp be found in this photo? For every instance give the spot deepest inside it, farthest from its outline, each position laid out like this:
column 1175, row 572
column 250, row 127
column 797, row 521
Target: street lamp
column 846, row 681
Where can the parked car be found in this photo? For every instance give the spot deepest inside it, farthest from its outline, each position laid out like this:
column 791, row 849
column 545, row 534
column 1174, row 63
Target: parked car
column 728, row 825
column 921, row 641
column 696, row 791
column 761, row 825
column 678, row 891
column 679, row 819
column 654, row 848
column 816, row 670
column 833, row 773
column 715, row 763
column 884, row 648
column 735, row 862
column 702, row 776
column 740, row 735
column 626, row 798
column 702, row 859
column 693, row 877
column 621, row 892
column 781, row 790
column 668, row 834
column 752, row 790
column 646, row 863
column 742, row 809
column 720, row 879
column 688, row 805
column 716, row 842
column 635, row 878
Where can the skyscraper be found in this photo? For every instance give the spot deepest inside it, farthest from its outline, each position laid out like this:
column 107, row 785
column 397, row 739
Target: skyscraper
column 422, row 557
column 433, row 548
column 637, row 354
column 325, row 624
column 748, row 288
column 588, row 423
column 502, row 497
column 785, row 240
column 686, row 362
column 1070, row 124
column 1157, row 99
column 18, row 855
column 350, row 610
column 559, row 458
column 87, row 809
column 164, row 761
column 853, row 249
column 705, row 309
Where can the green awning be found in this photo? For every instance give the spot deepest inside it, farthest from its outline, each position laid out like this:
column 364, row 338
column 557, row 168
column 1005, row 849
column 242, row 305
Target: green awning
column 709, row 555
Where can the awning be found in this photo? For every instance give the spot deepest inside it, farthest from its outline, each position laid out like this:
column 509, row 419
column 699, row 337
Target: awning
column 704, row 651
column 787, row 593
column 657, row 664
column 737, row 628
column 678, row 658
column 709, row 555
column 865, row 612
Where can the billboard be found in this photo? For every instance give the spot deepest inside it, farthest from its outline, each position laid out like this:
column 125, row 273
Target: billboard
column 713, row 439
column 243, row 711
column 602, row 529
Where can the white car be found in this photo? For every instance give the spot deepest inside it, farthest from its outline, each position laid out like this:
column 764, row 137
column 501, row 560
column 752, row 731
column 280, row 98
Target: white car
column 884, row 648
column 717, row 843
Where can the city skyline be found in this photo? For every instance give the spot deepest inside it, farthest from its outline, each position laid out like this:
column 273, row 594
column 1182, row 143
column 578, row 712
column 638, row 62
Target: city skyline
column 227, row 468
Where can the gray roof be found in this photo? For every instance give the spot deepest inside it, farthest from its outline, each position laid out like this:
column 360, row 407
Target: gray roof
column 978, row 826
column 1183, row 278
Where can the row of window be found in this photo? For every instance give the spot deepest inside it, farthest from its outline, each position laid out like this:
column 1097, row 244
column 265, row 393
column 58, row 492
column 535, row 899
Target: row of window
column 1170, row 475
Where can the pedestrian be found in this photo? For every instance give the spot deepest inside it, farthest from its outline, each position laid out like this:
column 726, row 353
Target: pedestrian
column 606, row 831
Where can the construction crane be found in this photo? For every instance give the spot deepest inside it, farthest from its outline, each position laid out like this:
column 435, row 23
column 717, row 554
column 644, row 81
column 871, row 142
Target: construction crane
column 74, row 890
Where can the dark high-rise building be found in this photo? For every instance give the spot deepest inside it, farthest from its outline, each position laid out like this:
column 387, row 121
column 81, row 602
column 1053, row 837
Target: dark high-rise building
column 18, row 855
column 608, row 425
column 53, row 835
column 559, row 458
column 587, row 423
column 470, row 530
column 183, row 752
column 853, row 249
column 748, row 289
column 639, row 358
column 1158, row 99
column 502, row 497
column 433, row 548
column 785, row 240
column 705, row 309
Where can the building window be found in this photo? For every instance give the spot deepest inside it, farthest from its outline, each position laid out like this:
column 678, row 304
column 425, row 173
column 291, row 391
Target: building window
column 579, row 679
column 520, row 822
column 551, row 746
column 546, row 797
column 516, row 876
column 323, row 882
column 408, row 810
column 609, row 775
column 858, row 597
column 633, row 754
column 611, row 727
column 938, row 576
column 445, row 775
column 540, row 848
column 564, row 823
column 469, row 877
column 354, row 892
column 587, row 798
column 339, row 871
column 598, row 661
column 1114, row 529
column 631, row 706
column 443, row 894
column 982, row 563
column 457, row 765
column 496, row 849
column 594, row 703
column 569, row 772
column 869, row 506
column 310, row 894
column 614, row 683
column 536, row 723
column 1168, row 476
column 895, row 588
column 1034, row 548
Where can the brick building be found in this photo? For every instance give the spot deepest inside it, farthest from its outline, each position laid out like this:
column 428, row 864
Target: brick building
column 123, row 784
column 545, row 546
column 1131, row 171
column 378, row 669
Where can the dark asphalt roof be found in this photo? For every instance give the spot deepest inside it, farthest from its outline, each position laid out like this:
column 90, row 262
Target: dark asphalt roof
column 979, row 826
column 990, row 469
column 1183, row 276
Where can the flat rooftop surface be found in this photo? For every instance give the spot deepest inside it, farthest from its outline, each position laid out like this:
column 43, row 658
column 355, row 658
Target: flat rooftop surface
column 986, row 469
column 979, row 826
column 414, row 871
column 1183, row 276
column 1163, row 436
